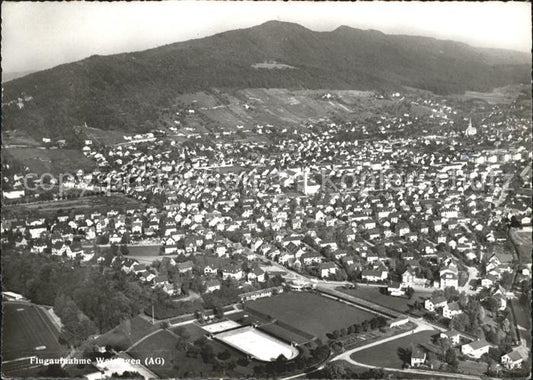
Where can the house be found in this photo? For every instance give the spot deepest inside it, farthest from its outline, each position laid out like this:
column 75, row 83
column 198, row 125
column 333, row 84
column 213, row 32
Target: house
column 185, row 266
column 451, row 310
column 396, row 290
column 512, row 360
column 311, row 257
column 434, row 303
column 147, row 276
column 326, row 269
column 375, row 275
column 250, row 296
column 489, row 281
column 212, row 285
column 232, row 271
column 449, row 277
column 408, row 277
column 475, row 349
column 451, row 335
column 256, row 274
column 418, row 357
column 402, row 228
column 399, row 321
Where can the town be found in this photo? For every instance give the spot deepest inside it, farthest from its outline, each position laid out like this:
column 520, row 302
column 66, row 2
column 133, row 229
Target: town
column 414, row 226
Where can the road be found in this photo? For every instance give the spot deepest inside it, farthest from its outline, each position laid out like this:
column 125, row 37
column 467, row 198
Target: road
column 422, row 326
column 346, row 355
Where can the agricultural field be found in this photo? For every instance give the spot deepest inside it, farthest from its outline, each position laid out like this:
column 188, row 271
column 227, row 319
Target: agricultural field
column 260, row 106
column 392, row 354
column 27, row 328
column 523, row 244
column 54, row 161
column 311, row 313
column 373, row 294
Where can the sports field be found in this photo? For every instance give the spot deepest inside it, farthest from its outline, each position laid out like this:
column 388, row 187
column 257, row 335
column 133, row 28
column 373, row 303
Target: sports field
column 27, row 331
column 309, row 312
column 392, row 354
column 257, row 344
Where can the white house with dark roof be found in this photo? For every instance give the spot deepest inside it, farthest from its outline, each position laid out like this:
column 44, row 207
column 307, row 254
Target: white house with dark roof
column 512, row 360
column 475, row 349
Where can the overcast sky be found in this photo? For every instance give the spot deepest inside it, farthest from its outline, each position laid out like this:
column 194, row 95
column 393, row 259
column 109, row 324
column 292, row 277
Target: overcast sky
column 37, row 36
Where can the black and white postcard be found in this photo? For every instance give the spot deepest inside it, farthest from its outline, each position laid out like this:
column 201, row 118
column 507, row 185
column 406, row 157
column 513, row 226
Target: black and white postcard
column 266, row 190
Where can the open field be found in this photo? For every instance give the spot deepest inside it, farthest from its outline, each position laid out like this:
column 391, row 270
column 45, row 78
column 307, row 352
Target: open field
column 127, row 333
column 53, row 161
column 163, row 345
column 104, row 137
column 144, row 250
column 177, row 363
column 309, row 312
column 261, row 106
column 501, row 95
column 472, row 367
column 373, row 294
column 25, row 328
column 80, row 205
column 390, row 354
column 523, row 244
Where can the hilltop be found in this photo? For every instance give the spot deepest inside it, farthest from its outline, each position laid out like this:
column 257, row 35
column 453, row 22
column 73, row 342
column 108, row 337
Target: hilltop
column 125, row 91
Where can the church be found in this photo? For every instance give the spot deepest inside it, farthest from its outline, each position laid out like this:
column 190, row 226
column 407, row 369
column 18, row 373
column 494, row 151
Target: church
column 470, row 131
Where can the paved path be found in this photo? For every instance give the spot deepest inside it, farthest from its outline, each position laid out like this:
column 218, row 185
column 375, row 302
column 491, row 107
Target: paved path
column 143, row 339
column 346, row 355
column 433, row 374
column 141, row 369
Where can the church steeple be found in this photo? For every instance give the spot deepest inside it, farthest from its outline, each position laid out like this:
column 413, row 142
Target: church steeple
column 470, row 131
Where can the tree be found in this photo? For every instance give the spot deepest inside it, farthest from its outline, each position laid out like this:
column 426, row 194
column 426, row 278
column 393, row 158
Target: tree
column 460, row 322
column 409, row 292
column 335, row 370
column 124, row 250
column 507, row 280
column 219, row 312
column 492, row 304
column 451, row 357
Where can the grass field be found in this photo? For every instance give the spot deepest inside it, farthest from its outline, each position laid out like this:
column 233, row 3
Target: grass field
column 373, row 294
column 177, row 363
column 389, row 355
column 523, row 244
column 472, row 367
column 25, row 328
column 53, row 161
column 163, row 345
column 309, row 312
column 145, row 250
column 127, row 333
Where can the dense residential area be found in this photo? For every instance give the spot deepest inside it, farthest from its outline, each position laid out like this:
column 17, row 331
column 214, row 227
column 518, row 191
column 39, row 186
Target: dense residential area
column 424, row 228
column 201, row 190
